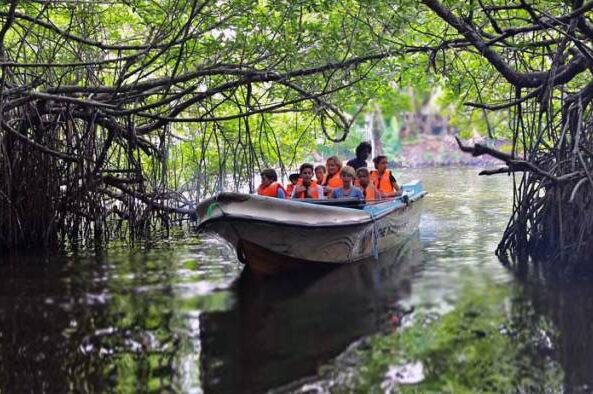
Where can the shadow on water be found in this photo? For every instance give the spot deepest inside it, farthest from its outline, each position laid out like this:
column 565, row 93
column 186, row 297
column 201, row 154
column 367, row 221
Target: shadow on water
column 283, row 328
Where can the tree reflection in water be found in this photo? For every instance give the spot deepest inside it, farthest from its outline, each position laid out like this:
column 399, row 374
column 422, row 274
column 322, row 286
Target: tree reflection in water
column 93, row 324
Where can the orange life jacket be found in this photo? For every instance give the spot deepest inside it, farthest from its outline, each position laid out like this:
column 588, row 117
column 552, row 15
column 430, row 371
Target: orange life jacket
column 369, row 193
column 312, row 190
column 334, row 182
column 271, row 190
column 384, row 183
column 289, row 189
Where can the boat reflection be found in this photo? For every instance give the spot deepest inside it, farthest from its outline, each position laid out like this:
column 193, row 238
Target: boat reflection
column 283, row 328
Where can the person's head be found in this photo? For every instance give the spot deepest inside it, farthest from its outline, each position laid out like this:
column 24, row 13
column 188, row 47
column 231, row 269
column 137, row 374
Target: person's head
column 347, row 174
column 363, row 150
column 362, row 174
column 294, row 178
column 306, row 171
column 333, row 165
column 320, row 172
column 268, row 176
column 380, row 163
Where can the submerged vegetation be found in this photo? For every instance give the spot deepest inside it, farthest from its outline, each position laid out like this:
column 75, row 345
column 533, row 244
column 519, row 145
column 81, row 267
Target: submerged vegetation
column 481, row 346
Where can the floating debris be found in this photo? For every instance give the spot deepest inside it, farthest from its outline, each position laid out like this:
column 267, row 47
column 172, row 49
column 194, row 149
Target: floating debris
column 411, row 373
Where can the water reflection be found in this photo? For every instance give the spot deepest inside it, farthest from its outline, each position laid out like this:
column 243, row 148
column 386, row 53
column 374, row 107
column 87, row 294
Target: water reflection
column 182, row 318
column 125, row 321
column 284, row 328
column 569, row 309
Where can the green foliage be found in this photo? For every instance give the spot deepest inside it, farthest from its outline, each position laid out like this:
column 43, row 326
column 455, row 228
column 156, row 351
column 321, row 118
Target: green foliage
column 132, row 99
column 346, row 149
column 390, row 137
column 280, row 36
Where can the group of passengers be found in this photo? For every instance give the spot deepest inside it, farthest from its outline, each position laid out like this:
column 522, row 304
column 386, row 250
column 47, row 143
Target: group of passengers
column 335, row 181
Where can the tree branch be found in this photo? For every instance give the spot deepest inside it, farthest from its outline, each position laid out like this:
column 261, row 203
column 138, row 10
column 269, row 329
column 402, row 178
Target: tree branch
column 518, row 79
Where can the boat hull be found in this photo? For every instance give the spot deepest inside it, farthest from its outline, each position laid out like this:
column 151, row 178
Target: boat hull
column 273, row 247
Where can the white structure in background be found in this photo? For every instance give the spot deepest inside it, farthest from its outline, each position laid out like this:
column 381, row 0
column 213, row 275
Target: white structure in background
column 368, row 129
column 374, row 125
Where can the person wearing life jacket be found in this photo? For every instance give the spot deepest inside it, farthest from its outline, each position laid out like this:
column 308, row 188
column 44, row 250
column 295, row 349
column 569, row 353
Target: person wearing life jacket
column 320, row 173
column 269, row 184
column 383, row 179
column 332, row 180
column 293, row 179
column 306, row 187
column 369, row 191
column 348, row 190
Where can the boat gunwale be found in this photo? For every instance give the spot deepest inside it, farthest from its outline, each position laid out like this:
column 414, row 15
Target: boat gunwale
column 371, row 218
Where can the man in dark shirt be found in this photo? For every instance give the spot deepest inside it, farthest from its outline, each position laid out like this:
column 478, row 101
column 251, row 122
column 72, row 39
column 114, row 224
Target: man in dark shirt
column 363, row 151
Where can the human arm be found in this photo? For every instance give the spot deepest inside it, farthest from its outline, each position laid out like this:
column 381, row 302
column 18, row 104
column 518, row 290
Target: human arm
column 358, row 194
column 320, row 192
column 295, row 190
column 398, row 191
column 376, row 192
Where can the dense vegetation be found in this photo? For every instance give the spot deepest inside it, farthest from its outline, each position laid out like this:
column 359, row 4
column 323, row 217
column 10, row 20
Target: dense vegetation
column 112, row 109
column 105, row 102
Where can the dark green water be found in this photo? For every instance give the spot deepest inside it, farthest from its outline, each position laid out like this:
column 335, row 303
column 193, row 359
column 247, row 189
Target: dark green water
column 181, row 316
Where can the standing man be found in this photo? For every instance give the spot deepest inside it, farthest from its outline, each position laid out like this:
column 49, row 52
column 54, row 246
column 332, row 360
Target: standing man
column 363, row 151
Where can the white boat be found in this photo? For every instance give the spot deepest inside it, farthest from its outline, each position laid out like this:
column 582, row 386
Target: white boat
column 272, row 235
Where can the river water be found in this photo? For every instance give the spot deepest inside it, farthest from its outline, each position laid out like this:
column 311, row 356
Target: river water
column 180, row 315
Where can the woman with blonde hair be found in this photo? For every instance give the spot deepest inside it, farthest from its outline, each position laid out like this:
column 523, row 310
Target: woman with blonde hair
column 332, row 179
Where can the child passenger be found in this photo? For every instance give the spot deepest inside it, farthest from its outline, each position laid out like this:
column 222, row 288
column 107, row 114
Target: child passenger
column 306, row 186
column 369, row 190
column 383, row 179
column 269, row 184
column 320, row 173
column 294, row 179
column 348, row 189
